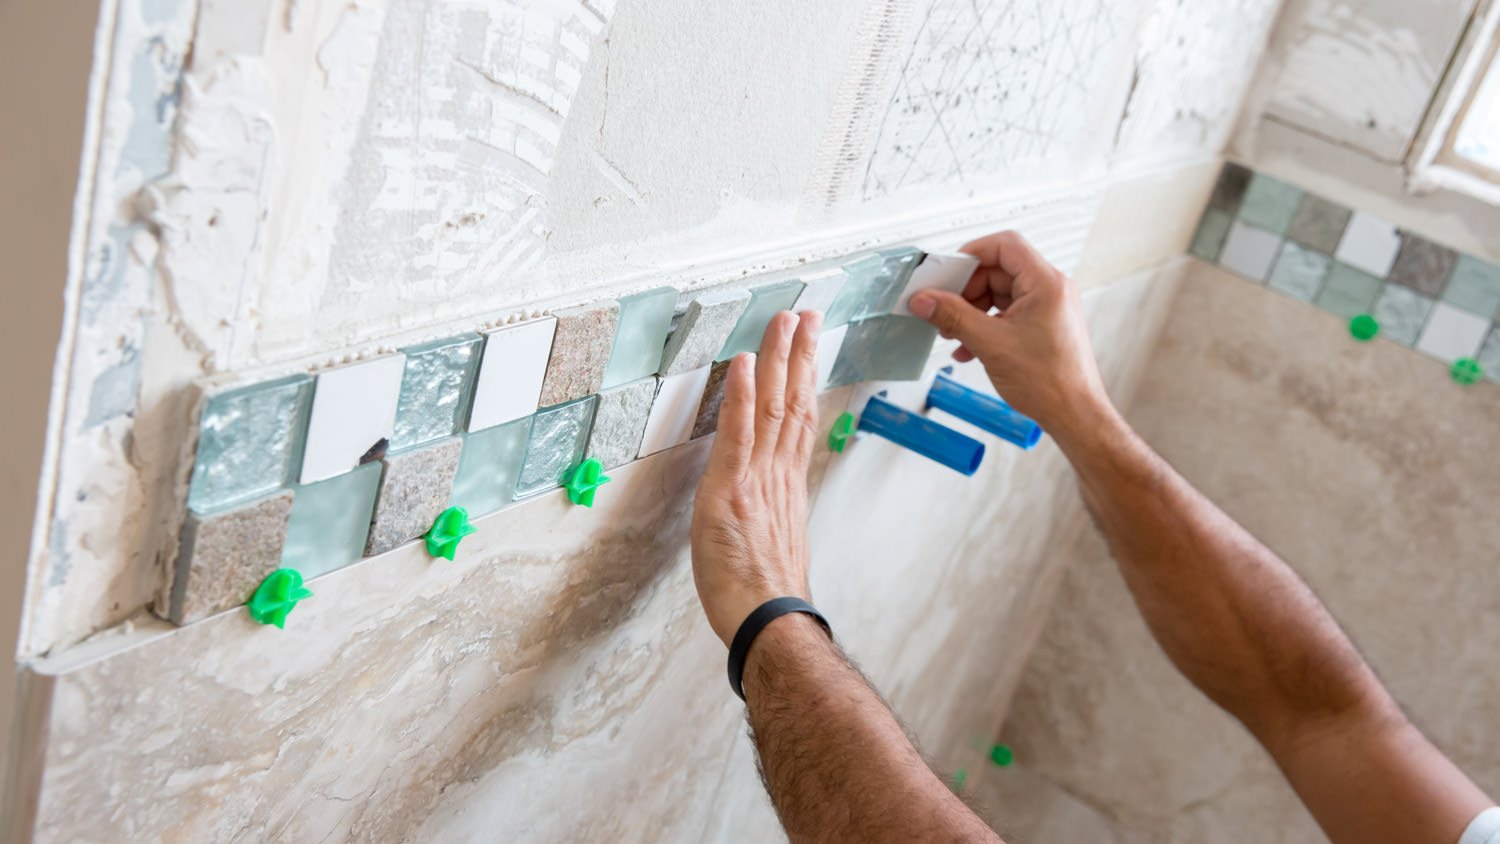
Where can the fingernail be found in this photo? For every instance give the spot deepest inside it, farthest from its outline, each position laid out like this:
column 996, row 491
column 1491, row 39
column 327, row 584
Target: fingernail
column 922, row 305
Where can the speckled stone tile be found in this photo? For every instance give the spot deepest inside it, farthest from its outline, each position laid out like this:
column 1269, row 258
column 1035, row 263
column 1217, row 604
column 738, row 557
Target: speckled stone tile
column 1318, row 224
column 701, row 332
column 223, row 556
column 765, row 302
column 713, row 396
column 1475, row 287
column 414, row 489
column 435, row 390
column 1423, row 265
column 1229, row 190
column 1299, row 272
column 1348, row 292
column 620, row 420
column 1270, row 203
column 1209, row 239
column 580, row 352
column 1402, row 312
column 559, row 436
column 250, row 442
column 490, row 466
column 330, row 521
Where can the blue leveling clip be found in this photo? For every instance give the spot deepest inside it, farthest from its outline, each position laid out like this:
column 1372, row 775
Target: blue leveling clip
column 922, row 435
column 983, row 411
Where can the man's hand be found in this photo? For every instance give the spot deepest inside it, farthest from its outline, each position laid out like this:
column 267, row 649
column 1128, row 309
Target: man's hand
column 1036, row 349
column 750, row 516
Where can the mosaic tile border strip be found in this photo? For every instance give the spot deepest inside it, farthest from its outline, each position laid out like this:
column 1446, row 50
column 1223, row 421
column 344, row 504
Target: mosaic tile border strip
column 1440, row 302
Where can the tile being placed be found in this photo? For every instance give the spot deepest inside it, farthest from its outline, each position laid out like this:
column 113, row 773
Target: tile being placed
column 511, row 369
column 902, row 351
column 353, row 415
column 559, row 436
column 1318, row 224
column 414, row 489
column 937, row 272
column 1299, row 272
column 645, row 321
column 580, row 352
column 1369, row 244
column 856, row 352
column 875, row 284
column 249, row 442
column 1475, row 287
column 1423, row 265
column 330, row 521
column 674, row 410
column 821, row 290
column 765, row 302
column 435, row 390
column 1229, row 190
column 713, row 397
column 829, row 347
column 1270, row 203
column 1489, row 355
column 1401, row 313
column 701, row 332
column 223, row 556
column 1250, row 251
column 620, row 422
column 1347, row 292
column 1452, row 333
column 490, row 466
column 1208, row 241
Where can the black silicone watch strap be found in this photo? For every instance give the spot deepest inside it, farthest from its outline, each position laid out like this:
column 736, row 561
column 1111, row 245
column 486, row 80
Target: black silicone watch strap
column 755, row 622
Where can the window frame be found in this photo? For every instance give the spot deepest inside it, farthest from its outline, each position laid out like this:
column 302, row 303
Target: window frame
column 1433, row 164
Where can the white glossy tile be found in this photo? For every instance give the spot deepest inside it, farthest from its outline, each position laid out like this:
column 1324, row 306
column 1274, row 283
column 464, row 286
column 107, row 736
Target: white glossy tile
column 1452, row 333
column 511, row 371
column 1370, row 244
column 674, row 411
column 1250, row 251
column 353, row 409
column 821, row 290
column 828, row 353
column 937, row 272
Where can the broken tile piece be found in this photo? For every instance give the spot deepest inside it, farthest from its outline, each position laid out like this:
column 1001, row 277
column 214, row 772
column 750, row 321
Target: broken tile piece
column 821, row 290
column 937, row 272
column 1250, row 251
column 620, row 422
column 580, row 352
column 1401, row 312
column 249, row 442
column 435, row 390
column 1348, row 292
column 645, row 321
column 1209, row 239
column 1299, row 272
column 559, row 436
column 330, row 522
column 511, row 369
column 1270, row 203
column 1423, row 265
column 765, row 302
column 674, row 410
column 1369, row 244
column 1229, row 190
column 1452, row 333
column 490, row 466
column 223, row 556
column 902, row 351
column 713, row 396
column 1475, row 287
column 414, row 489
column 353, row 410
column 701, row 332
column 1318, row 224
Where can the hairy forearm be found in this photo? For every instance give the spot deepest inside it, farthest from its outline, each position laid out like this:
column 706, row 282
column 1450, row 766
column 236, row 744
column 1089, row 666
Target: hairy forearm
column 835, row 761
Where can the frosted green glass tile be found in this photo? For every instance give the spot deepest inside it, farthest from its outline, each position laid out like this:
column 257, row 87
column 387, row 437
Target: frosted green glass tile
column 1402, row 312
column 903, row 349
column 645, row 320
column 1475, row 287
column 490, row 466
column 855, row 353
column 765, row 302
column 875, row 283
column 1270, row 203
column 249, row 442
column 435, row 390
column 1299, row 272
column 330, row 521
column 1348, row 292
column 559, row 436
column 1209, row 239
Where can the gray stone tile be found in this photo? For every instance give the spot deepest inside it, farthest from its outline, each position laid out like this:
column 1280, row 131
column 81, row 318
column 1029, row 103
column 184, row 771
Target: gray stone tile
column 1423, row 265
column 1229, row 191
column 713, row 396
column 1209, row 239
column 414, row 489
column 1319, row 224
column 1299, row 272
column 222, row 557
column 1270, row 203
column 620, row 420
column 703, row 330
column 1402, row 312
column 580, row 352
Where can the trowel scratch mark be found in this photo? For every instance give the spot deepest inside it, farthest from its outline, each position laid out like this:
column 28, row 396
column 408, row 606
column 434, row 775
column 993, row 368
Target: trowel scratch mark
column 510, row 154
column 506, row 86
column 619, row 180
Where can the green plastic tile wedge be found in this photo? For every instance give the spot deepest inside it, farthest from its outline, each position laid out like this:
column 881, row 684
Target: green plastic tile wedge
column 645, row 320
column 1364, row 327
column 765, row 302
column 276, row 596
column 451, row 527
column 843, row 429
column 1002, row 756
column 584, row 481
column 250, row 442
column 1466, row 371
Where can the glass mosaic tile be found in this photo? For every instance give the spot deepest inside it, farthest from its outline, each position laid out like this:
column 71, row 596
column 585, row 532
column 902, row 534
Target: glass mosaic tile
column 1250, row 251
column 1401, row 312
column 1348, row 292
column 903, row 349
column 645, row 320
column 435, row 390
column 559, row 436
column 1270, row 203
column 765, row 302
column 1209, row 239
column 1475, row 287
column 875, row 283
column 1299, row 272
column 489, row 467
column 1423, row 265
column 331, row 521
column 1318, row 224
column 250, row 441
column 861, row 275
column 821, row 291
column 1452, row 333
column 1489, row 355
column 855, row 353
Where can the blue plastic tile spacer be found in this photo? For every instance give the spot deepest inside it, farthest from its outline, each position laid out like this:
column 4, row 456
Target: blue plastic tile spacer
column 984, row 411
column 922, row 435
